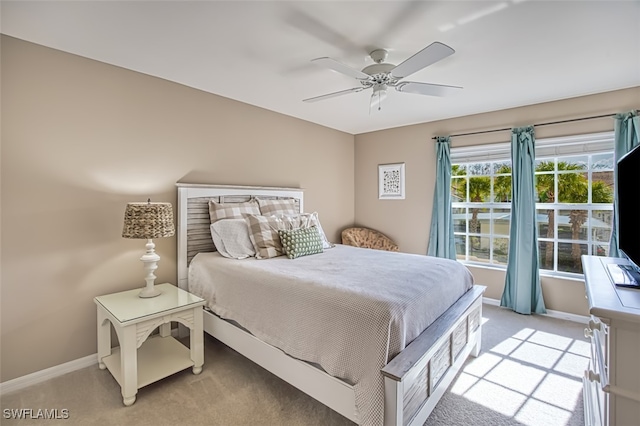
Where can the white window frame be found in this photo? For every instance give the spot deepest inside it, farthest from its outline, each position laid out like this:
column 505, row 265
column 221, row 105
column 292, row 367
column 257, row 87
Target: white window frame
column 551, row 149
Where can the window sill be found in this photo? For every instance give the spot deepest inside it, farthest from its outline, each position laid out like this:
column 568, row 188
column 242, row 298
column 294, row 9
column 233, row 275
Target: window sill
column 543, row 273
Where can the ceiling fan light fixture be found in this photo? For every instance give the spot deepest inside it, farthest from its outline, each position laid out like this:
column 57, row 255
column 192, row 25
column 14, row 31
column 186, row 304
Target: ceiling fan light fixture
column 379, row 94
column 380, row 90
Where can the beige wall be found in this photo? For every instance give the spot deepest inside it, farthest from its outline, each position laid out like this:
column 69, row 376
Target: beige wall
column 407, row 221
column 80, row 139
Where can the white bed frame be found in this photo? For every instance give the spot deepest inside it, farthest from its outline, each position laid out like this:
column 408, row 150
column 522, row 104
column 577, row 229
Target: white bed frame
column 414, row 380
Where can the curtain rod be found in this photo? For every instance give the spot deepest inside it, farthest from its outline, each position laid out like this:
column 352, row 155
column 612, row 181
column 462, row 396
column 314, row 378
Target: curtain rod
column 535, row 125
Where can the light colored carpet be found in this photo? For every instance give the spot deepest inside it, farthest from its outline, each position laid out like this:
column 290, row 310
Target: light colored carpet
column 529, row 372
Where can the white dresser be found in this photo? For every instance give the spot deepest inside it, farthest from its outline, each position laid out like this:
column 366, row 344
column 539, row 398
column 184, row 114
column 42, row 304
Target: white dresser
column 612, row 382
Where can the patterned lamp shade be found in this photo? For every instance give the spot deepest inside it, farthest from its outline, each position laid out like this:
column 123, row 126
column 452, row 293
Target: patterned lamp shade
column 148, row 220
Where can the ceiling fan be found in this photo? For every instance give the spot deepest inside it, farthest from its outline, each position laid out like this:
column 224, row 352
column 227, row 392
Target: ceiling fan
column 381, row 75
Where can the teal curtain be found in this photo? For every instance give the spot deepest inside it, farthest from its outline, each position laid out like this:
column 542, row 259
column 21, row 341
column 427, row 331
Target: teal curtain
column 522, row 292
column 441, row 239
column 627, row 135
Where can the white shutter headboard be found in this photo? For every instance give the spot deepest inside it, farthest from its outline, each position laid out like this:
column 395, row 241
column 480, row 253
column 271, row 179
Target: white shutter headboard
column 194, row 234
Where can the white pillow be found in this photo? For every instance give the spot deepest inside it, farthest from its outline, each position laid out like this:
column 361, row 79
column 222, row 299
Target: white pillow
column 307, row 220
column 231, row 238
column 325, row 241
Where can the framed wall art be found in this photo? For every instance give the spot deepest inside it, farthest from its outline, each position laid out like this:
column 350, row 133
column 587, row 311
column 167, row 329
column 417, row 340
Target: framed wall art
column 391, row 181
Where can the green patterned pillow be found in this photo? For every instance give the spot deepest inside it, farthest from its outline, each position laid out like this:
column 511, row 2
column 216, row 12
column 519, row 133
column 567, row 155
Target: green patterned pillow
column 300, row 242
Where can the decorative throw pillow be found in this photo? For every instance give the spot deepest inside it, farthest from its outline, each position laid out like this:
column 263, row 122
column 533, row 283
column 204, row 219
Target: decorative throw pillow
column 301, row 242
column 263, row 232
column 307, row 220
column 231, row 238
column 219, row 211
column 277, row 207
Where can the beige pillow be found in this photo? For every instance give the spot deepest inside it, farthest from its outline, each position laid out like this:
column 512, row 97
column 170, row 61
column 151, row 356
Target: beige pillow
column 219, row 211
column 277, row 207
column 263, row 233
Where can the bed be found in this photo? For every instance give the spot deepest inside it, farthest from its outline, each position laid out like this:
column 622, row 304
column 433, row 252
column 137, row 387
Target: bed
column 396, row 384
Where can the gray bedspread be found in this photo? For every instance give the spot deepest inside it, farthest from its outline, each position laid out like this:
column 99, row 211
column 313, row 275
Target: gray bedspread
column 350, row 310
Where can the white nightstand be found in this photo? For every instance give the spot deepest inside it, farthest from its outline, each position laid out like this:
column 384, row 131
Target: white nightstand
column 141, row 360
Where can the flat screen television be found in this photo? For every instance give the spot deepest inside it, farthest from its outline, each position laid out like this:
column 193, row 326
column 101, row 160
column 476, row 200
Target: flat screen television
column 628, row 196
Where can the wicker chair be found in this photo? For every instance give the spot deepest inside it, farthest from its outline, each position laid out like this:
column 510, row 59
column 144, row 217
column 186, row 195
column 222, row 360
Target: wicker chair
column 368, row 238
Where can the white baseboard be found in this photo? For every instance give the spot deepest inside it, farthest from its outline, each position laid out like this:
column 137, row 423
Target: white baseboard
column 550, row 313
column 52, row 372
column 46, row 374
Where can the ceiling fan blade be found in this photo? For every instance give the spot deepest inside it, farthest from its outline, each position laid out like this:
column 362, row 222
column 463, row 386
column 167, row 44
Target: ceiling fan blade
column 334, row 94
column 322, row 31
column 426, row 88
column 406, row 14
column 340, row 67
column 429, row 55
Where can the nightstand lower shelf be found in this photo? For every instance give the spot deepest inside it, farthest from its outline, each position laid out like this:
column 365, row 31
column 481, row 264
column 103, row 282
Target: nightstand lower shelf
column 158, row 357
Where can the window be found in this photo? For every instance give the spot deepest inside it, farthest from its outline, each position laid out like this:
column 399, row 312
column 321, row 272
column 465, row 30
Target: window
column 481, row 195
column 574, row 184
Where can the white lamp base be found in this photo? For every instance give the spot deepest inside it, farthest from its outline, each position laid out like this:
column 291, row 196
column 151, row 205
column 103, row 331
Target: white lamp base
column 150, row 260
column 149, row 292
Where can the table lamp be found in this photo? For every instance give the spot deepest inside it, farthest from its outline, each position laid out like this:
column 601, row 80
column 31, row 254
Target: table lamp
column 147, row 221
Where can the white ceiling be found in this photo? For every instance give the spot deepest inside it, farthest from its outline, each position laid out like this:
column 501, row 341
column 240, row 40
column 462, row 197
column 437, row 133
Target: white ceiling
column 508, row 53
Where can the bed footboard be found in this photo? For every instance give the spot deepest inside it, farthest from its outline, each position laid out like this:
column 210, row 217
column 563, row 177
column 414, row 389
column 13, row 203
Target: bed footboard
column 416, row 379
